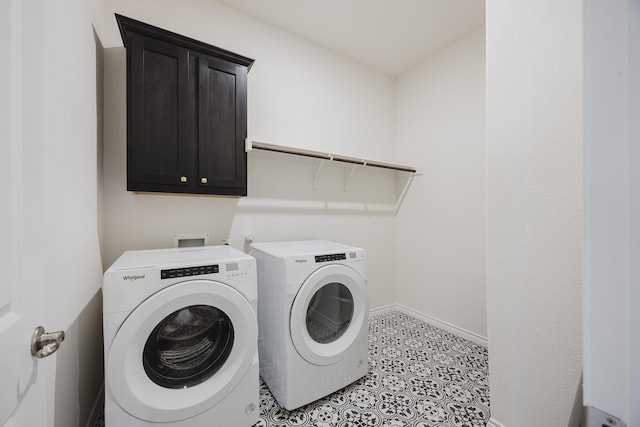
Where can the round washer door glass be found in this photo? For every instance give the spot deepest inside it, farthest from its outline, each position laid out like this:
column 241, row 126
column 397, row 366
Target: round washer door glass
column 330, row 312
column 188, row 346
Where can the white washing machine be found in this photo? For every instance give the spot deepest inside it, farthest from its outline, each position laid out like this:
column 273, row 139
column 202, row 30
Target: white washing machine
column 312, row 315
column 180, row 338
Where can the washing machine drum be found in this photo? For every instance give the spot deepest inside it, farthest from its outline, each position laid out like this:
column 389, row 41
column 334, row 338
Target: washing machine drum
column 329, row 314
column 188, row 346
column 182, row 351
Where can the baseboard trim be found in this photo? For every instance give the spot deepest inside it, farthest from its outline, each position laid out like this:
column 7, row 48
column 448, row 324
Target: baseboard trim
column 383, row 309
column 494, row 423
column 97, row 407
column 464, row 333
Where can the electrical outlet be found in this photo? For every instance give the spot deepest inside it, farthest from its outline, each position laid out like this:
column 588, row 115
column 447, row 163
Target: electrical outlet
column 594, row 417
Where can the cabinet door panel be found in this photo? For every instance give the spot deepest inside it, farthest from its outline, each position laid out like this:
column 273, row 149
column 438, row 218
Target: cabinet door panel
column 186, row 113
column 158, row 76
column 222, row 126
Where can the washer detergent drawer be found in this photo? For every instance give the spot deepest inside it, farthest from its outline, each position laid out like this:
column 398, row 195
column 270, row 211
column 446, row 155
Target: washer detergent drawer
column 181, row 351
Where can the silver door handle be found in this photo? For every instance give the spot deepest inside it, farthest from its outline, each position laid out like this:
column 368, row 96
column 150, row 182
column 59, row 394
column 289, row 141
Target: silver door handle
column 44, row 344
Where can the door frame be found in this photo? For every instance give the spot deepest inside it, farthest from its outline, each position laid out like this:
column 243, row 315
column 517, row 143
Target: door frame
column 611, row 320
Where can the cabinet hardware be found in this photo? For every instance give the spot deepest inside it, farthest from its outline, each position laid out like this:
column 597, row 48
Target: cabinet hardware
column 183, row 179
column 203, row 180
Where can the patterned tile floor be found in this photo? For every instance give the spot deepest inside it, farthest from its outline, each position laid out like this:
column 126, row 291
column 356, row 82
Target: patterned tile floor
column 419, row 376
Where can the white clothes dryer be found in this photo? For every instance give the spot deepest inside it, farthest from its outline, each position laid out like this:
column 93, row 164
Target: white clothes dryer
column 180, row 338
column 312, row 315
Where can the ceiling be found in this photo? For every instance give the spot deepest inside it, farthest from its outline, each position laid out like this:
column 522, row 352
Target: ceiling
column 389, row 35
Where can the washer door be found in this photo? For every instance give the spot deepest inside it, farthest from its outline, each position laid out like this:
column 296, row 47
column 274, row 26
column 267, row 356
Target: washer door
column 182, row 350
column 328, row 314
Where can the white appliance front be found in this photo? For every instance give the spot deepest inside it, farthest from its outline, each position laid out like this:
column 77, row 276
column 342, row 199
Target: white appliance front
column 185, row 354
column 312, row 315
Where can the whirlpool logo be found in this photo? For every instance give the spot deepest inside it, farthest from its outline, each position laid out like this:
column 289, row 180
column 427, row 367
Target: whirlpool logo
column 133, row 277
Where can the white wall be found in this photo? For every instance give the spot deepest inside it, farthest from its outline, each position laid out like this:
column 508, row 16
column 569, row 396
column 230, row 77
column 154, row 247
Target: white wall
column 71, row 102
column 534, row 209
column 440, row 227
column 300, row 95
column 71, row 180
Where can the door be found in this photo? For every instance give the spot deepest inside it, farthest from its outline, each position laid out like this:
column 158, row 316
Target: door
column 160, row 152
column 612, row 220
column 222, row 129
column 328, row 314
column 22, row 401
column 181, row 351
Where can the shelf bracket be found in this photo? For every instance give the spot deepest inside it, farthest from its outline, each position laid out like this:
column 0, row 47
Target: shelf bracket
column 316, row 174
column 405, row 189
column 348, row 176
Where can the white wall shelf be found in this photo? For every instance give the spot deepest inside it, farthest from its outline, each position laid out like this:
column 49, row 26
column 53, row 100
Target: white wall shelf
column 326, row 156
column 352, row 163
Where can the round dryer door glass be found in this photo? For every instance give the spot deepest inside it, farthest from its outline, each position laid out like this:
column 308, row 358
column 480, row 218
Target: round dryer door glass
column 188, row 346
column 329, row 313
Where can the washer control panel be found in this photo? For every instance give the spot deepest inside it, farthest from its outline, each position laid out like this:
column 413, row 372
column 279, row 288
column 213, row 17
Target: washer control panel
column 199, row 270
column 237, row 269
column 331, row 257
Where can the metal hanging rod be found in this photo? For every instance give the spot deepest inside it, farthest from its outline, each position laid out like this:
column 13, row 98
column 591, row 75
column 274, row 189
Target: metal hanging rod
column 326, row 156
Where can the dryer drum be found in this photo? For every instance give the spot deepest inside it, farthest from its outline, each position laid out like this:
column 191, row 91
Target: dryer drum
column 330, row 312
column 188, row 346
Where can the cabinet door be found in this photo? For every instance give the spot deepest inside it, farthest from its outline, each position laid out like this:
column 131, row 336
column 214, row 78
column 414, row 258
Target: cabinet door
column 160, row 152
column 222, row 126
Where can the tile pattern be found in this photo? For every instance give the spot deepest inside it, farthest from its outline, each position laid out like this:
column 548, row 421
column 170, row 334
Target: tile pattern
column 419, row 376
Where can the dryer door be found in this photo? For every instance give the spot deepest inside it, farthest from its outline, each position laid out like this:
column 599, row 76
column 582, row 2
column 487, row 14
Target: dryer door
column 328, row 314
column 182, row 350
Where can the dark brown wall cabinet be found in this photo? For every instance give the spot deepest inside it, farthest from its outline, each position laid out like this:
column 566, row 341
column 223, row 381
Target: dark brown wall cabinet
column 186, row 113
